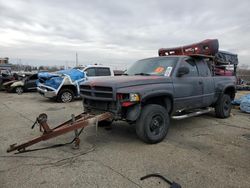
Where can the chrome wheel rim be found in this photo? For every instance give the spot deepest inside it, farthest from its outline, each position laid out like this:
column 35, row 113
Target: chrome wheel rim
column 66, row 97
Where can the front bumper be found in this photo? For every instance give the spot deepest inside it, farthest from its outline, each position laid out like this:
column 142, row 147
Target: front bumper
column 105, row 106
column 44, row 92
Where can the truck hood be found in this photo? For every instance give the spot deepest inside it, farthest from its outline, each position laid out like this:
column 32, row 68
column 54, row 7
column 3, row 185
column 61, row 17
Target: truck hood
column 128, row 81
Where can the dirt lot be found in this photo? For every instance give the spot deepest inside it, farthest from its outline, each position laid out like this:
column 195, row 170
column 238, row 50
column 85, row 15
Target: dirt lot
column 198, row 152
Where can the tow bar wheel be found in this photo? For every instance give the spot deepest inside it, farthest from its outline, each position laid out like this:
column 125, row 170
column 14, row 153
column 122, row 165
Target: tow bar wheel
column 152, row 126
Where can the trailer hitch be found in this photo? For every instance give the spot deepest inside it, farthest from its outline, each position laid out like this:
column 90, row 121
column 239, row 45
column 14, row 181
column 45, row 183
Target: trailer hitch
column 42, row 121
column 76, row 122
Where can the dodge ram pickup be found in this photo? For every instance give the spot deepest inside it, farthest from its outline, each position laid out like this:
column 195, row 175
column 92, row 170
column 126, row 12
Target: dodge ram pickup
column 154, row 90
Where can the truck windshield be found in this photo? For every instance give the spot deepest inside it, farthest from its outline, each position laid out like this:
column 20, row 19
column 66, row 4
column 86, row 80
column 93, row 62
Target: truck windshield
column 160, row 66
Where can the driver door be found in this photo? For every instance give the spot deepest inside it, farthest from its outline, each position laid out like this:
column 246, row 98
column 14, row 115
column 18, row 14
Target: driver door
column 188, row 88
column 30, row 83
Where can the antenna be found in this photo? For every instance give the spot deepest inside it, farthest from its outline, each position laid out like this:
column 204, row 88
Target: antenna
column 76, row 59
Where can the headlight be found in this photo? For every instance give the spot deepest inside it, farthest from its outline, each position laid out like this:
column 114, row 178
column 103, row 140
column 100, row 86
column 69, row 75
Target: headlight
column 134, row 97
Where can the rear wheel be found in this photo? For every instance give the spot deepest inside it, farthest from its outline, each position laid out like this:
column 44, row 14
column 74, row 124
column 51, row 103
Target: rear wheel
column 223, row 106
column 153, row 123
column 65, row 96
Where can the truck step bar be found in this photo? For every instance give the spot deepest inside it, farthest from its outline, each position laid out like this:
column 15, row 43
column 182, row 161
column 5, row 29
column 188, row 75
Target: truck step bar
column 76, row 122
column 192, row 114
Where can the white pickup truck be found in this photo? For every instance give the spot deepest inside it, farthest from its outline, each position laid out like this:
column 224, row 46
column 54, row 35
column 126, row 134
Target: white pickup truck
column 63, row 86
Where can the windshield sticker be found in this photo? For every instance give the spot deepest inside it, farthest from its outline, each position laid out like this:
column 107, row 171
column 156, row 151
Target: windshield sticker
column 168, row 71
column 159, row 69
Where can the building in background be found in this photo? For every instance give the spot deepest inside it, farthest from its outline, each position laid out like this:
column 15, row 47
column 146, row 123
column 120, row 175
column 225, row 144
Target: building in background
column 4, row 60
column 4, row 64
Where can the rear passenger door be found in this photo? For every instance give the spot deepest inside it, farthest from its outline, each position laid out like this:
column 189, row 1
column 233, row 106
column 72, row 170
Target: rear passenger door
column 208, row 87
column 188, row 88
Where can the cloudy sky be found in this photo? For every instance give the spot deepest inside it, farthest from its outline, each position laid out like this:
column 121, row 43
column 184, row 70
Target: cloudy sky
column 116, row 32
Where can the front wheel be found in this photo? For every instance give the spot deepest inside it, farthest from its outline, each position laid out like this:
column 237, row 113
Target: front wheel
column 223, row 106
column 153, row 123
column 19, row 90
column 65, row 96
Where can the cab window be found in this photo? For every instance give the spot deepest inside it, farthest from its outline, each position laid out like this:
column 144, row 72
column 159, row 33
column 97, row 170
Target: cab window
column 203, row 67
column 190, row 63
column 90, row 72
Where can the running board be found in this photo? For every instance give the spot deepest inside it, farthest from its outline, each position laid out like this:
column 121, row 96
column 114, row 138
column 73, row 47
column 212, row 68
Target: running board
column 197, row 113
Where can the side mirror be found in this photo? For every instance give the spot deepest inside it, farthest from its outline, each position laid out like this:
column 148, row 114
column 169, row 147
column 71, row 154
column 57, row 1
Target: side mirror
column 182, row 71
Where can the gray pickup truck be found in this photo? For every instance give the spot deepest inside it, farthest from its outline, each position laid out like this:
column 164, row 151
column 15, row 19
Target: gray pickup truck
column 156, row 89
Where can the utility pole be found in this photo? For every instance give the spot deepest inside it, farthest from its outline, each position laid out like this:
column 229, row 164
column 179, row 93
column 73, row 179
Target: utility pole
column 76, row 59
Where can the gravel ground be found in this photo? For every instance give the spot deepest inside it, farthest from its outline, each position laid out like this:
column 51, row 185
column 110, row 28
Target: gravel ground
column 198, row 152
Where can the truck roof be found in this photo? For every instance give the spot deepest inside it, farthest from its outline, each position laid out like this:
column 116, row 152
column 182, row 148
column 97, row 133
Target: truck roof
column 83, row 67
column 97, row 66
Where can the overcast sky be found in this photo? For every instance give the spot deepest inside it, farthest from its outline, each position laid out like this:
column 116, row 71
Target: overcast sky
column 117, row 32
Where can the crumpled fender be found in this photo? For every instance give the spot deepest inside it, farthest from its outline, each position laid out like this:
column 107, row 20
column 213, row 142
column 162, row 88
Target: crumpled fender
column 18, row 83
column 9, row 83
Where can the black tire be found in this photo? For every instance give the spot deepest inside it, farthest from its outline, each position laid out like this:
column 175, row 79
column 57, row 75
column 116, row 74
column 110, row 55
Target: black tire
column 105, row 123
column 19, row 90
column 153, row 123
column 223, row 106
column 65, row 96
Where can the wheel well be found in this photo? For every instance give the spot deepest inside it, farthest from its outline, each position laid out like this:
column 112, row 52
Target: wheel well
column 73, row 88
column 165, row 101
column 230, row 91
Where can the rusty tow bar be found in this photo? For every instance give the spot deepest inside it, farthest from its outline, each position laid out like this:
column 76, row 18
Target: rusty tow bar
column 76, row 122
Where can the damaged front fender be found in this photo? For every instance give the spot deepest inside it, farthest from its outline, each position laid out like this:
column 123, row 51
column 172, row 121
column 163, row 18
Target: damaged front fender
column 133, row 112
column 18, row 83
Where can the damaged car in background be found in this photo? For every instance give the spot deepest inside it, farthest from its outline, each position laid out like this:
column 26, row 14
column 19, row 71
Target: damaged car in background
column 26, row 84
column 7, row 76
column 63, row 86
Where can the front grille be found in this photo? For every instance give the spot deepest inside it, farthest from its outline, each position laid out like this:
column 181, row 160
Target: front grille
column 86, row 93
column 104, row 95
column 98, row 92
column 101, row 88
column 109, row 106
column 86, row 87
